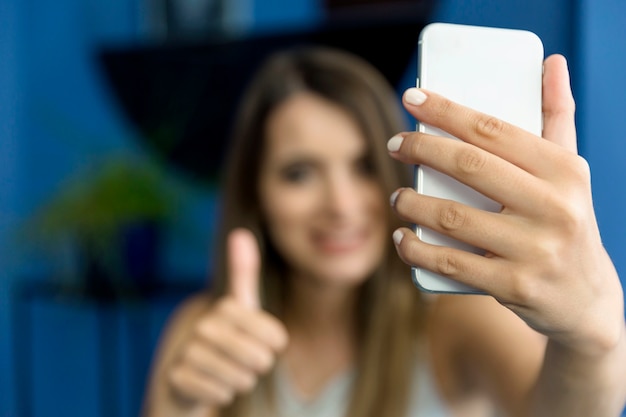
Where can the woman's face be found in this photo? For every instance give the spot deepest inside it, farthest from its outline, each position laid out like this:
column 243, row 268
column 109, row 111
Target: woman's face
column 324, row 208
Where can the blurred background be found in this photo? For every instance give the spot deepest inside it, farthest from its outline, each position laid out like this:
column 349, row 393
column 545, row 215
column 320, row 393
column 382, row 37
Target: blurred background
column 113, row 121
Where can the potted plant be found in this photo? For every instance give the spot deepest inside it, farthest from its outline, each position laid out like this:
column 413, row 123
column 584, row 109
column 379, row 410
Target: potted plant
column 114, row 219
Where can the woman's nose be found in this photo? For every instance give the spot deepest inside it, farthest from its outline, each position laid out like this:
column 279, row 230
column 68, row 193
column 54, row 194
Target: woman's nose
column 342, row 195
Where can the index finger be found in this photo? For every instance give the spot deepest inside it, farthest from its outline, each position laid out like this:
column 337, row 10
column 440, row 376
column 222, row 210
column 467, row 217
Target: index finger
column 497, row 137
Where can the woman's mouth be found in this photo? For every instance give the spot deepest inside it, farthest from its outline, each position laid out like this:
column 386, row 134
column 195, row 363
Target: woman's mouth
column 341, row 241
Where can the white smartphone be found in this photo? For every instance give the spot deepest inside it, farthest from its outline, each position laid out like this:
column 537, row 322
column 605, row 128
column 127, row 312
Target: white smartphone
column 493, row 70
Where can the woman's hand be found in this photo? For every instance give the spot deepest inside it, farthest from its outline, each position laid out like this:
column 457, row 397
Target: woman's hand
column 234, row 341
column 545, row 259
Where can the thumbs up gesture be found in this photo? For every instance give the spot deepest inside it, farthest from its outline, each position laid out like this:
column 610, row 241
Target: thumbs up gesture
column 234, row 341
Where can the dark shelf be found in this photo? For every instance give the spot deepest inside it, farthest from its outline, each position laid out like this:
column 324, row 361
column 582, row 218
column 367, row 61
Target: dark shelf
column 182, row 96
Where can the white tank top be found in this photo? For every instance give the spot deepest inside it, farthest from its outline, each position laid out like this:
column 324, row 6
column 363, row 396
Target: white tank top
column 424, row 400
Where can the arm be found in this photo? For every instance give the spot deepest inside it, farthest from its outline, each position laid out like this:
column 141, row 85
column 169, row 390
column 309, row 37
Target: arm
column 545, row 261
column 579, row 384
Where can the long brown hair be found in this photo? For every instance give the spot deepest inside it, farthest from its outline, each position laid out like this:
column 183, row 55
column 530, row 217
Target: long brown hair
column 390, row 308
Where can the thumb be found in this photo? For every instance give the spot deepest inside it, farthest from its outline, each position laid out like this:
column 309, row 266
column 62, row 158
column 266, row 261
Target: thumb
column 243, row 267
column 558, row 103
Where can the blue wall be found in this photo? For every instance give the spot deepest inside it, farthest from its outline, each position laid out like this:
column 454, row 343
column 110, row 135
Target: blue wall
column 601, row 109
column 56, row 117
column 10, row 102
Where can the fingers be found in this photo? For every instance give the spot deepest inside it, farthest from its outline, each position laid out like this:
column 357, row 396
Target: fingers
column 231, row 346
column 486, row 173
column 558, row 104
column 219, row 367
column 506, row 141
column 497, row 159
column 463, row 223
column 230, row 328
column 225, row 359
column 196, row 387
column 471, row 269
column 244, row 267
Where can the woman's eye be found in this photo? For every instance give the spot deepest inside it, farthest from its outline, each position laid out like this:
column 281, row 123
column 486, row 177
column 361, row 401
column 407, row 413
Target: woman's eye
column 296, row 173
column 365, row 167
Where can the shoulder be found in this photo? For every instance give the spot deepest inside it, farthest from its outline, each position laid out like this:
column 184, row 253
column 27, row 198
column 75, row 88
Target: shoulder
column 482, row 349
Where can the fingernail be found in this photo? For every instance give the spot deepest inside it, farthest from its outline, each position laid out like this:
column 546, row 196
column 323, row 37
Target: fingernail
column 414, row 96
column 393, row 145
column 397, row 236
column 394, row 197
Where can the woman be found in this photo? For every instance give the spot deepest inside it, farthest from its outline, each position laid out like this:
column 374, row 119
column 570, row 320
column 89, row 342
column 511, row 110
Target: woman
column 312, row 314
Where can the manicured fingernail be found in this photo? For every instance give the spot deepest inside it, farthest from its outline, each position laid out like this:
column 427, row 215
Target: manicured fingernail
column 414, row 96
column 393, row 145
column 393, row 197
column 397, row 236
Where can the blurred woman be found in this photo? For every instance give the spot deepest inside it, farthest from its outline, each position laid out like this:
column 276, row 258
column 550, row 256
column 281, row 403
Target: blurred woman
column 311, row 311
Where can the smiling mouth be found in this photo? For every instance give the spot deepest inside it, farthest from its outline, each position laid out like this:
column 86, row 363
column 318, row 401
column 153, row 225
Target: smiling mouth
column 340, row 242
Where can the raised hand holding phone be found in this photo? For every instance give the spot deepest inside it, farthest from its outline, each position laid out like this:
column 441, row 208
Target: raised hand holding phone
column 234, row 341
column 545, row 259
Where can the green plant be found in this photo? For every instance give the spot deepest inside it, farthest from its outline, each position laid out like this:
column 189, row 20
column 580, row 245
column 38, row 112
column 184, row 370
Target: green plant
column 95, row 211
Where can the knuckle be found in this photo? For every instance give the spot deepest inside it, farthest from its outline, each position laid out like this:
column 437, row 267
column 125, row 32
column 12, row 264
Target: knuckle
column 567, row 217
column 176, row 378
column 280, row 337
column 180, row 381
column 446, row 264
column 206, row 329
column 576, row 168
column 193, row 351
column 225, row 395
column 470, row 160
column 548, row 254
column 522, row 288
column 415, row 143
column 264, row 361
column 570, row 221
column 451, row 217
column 570, row 206
column 582, row 169
column 488, row 126
column 206, row 390
column 216, row 393
column 247, row 382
